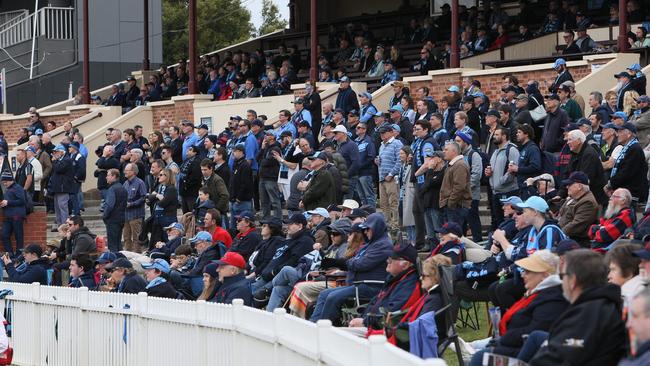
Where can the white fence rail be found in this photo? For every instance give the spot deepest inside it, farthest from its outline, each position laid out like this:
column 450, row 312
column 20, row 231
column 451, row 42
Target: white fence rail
column 52, row 23
column 10, row 17
column 70, row 327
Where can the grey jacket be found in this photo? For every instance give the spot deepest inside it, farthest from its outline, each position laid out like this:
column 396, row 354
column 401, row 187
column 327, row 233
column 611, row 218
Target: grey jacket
column 642, row 124
column 476, row 171
column 501, row 181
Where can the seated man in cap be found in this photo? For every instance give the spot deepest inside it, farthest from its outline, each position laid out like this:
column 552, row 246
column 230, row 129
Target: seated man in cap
column 247, row 237
column 82, row 272
column 175, row 233
column 157, row 273
column 232, row 282
column 207, row 251
column 450, row 244
column 124, row 278
column 544, row 186
column 400, row 291
column 618, row 217
column 366, row 271
column 544, row 233
column 319, row 220
column 101, row 275
column 35, row 269
column 641, row 119
column 580, row 209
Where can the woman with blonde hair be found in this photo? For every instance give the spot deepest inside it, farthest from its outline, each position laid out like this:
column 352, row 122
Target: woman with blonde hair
column 210, row 281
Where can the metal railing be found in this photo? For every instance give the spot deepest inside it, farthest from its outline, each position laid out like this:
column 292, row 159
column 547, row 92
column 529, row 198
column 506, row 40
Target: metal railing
column 10, row 17
column 67, row 326
column 52, row 23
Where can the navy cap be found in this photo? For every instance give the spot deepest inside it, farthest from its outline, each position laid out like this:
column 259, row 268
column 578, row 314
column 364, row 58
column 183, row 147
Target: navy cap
column 583, row 122
column 297, row 219
column 612, row 126
column 553, row 97
column 628, row 126
column 493, row 112
column 643, row 253
column 564, row 246
column 571, row 127
column 405, row 251
column 451, row 228
column 119, row 263
column 272, row 222
column 319, row 155
column 576, row 177
column 106, row 257
column 622, row 74
column 357, row 212
column 248, row 215
column 203, row 126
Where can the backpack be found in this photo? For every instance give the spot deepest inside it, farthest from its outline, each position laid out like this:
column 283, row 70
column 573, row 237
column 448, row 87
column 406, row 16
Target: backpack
column 485, row 160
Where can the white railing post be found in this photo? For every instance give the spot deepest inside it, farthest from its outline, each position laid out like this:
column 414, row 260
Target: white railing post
column 201, row 341
column 375, row 343
column 36, row 316
column 83, row 357
column 139, row 332
column 279, row 315
column 237, row 317
column 324, row 327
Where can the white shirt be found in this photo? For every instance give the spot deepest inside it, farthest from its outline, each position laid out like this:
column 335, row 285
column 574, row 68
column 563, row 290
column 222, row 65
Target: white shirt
column 38, row 173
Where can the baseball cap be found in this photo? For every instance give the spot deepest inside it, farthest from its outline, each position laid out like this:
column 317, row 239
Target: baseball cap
column 38, row 132
column 451, row 228
column 564, row 246
column 34, row 249
column 535, row 263
column 187, row 123
column 203, row 126
column 559, row 62
column 453, row 89
column 620, row 115
column 397, row 108
column 202, row 236
column 299, row 219
column 643, row 253
column 272, row 222
column 344, row 79
column 569, row 83
column 340, row 128
column 385, row 128
column 536, row 203
column 576, row 177
column 106, row 257
column 622, row 74
column 74, row 145
column 396, row 127
column 298, row 101
column 353, row 112
column 59, row 147
column 522, row 97
column 119, row 263
column 468, row 99
column 564, row 88
column 357, row 212
column 339, row 110
column 239, row 147
column 552, row 97
column 341, row 226
column 319, row 211
column 571, row 127
column 130, row 78
column 318, row 155
column 236, row 118
column 628, row 126
column 634, row 67
column 349, row 203
column 366, row 94
column 248, row 215
column 465, row 137
column 211, row 269
column 643, row 99
column 494, row 113
column 388, row 62
column 583, row 122
column 512, row 200
column 232, row 259
column 356, row 228
column 176, row 225
column 612, row 126
column 286, row 133
column 405, row 251
column 159, row 264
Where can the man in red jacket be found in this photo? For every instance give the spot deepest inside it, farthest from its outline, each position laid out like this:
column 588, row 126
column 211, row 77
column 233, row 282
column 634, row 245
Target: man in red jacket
column 617, row 218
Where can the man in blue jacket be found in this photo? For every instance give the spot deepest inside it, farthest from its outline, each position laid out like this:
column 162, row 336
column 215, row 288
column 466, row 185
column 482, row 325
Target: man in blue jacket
column 367, row 153
column 35, row 269
column 82, row 271
column 366, row 271
column 14, row 213
column 350, row 152
column 233, row 283
column 114, row 210
column 346, row 100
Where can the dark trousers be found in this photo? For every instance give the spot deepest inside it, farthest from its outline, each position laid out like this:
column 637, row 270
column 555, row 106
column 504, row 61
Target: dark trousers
column 474, row 222
column 14, row 226
column 505, row 294
column 157, row 229
column 457, row 215
column 187, row 203
column 418, row 215
column 464, row 290
column 114, row 235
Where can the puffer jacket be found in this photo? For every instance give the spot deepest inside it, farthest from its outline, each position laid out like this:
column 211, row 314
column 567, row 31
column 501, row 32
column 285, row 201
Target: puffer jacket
column 370, row 261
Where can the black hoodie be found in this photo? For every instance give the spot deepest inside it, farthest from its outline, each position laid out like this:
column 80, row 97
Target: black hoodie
column 590, row 332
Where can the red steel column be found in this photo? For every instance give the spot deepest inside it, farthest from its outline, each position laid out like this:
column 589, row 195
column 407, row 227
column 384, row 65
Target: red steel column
column 192, row 87
column 313, row 70
column 455, row 54
column 623, row 46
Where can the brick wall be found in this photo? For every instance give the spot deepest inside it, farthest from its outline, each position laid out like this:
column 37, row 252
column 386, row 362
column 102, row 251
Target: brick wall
column 11, row 127
column 35, row 228
column 173, row 113
column 491, row 84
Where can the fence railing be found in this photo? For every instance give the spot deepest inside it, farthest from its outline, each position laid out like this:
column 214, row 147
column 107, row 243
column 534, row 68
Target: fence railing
column 10, row 17
column 52, row 23
column 65, row 326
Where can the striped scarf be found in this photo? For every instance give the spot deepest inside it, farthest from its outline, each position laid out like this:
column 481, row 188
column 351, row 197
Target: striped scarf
column 620, row 158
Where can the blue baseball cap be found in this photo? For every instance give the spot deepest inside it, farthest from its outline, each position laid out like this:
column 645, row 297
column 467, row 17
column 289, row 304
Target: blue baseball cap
column 59, row 147
column 319, row 211
column 106, row 257
column 202, row 236
column 534, row 202
column 512, row 200
column 634, row 67
column 177, row 225
column 397, row 108
column 453, row 88
column 620, row 115
column 38, row 132
column 366, row 94
column 583, row 122
column 465, row 137
column 396, row 127
column 31, row 149
column 558, row 62
column 319, row 155
column 612, row 126
column 159, row 264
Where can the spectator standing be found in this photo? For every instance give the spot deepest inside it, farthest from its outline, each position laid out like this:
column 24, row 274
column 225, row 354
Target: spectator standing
column 241, row 185
column 423, row 147
column 38, row 172
column 79, row 176
column 388, row 164
column 114, row 210
column 269, row 170
column 14, row 211
column 473, row 160
column 190, row 179
column 62, row 183
column 134, row 214
column 189, row 137
column 563, row 75
column 367, row 152
column 552, row 137
column 346, row 99
column 350, row 152
column 455, row 193
column 165, row 203
column 624, row 87
column 313, row 105
column 502, row 182
column 586, row 159
column 216, row 187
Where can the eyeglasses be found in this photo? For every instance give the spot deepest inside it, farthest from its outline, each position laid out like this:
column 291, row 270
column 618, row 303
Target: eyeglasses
column 162, row 175
column 360, row 128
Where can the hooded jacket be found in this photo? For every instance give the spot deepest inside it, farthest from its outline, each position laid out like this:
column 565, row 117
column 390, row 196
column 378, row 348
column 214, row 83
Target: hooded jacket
column 235, row 287
column 209, row 255
column 35, row 271
column 590, row 332
column 289, row 254
column 265, row 253
column 87, row 279
column 83, row 242
column 370, row 261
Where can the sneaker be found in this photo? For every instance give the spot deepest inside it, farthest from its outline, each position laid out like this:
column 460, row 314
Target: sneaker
column 262, row 294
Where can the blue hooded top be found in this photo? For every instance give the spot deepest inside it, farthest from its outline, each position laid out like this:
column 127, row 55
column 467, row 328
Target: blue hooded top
column 370, row 262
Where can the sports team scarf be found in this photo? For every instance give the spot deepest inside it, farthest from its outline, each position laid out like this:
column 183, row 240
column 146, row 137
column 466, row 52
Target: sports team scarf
column 519, row 305
column 620, row 158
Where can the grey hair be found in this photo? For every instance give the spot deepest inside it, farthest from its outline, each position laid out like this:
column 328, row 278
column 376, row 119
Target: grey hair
column 626, row 195
column 549, row 258
column 135, row 168
column 454, row 145
column 34, row 138
column 137, row 152
column 597, row 95
column 577, row 135
column 585, row 187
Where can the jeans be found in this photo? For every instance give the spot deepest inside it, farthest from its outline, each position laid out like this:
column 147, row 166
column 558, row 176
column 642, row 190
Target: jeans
column 61, row 207
column 456, row 215
column 270, row 199
column 366, row 191
column 237, row 208
column 114, row 235
column 354, row 181
column 330, row 301
column 432, row 221
column 532, row 344
column 10, row 226
column 283, row 283
column 474, row 222
column 74, row 201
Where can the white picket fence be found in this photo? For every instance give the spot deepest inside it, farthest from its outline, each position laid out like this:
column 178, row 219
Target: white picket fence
column 58, row 326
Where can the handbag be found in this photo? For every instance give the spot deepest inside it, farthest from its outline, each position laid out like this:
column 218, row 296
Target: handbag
column 539, row 113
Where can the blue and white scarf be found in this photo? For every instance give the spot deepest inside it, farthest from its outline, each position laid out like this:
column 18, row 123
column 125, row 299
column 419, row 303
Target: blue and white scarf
column 621, row 156
column 155, row 282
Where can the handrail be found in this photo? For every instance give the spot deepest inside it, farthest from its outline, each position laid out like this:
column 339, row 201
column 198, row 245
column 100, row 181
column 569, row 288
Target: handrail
column 8, row 19
column 51, row 23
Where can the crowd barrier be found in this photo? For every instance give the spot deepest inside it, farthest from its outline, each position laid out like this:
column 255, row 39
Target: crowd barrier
column 68, row 327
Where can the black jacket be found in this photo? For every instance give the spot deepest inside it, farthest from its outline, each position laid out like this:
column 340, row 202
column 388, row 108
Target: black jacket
column 246, row 244
column 169, row 204
column 62, row 180
column 631, row 173
column 553, row 137
column 132, row 283
column 177, row 150
column 430, row 190
column 83, row 242
column 192, row 177
column 313, row 105
column 235, row 287
column 209, row 255
column 265, row 252
column 103, row 165
column 289, row 254
column 87, row 279
column 35, row 271
column 538, row 315
column 115, row 207
column 347, row 100
column 588, row 162
column 165, row 289
column 590, row 332
column 269, row 167
column 241, row 181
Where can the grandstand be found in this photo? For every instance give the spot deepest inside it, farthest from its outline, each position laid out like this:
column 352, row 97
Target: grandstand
column 401, row 33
